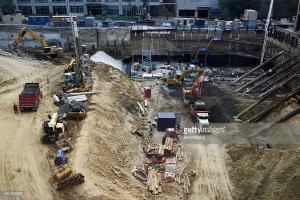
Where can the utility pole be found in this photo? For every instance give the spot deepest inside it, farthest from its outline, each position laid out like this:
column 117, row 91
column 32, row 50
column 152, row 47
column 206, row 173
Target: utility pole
column 266, row 32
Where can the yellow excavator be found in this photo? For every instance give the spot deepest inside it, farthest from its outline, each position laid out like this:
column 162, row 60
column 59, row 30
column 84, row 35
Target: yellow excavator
column 173, row 80
column 52, row 51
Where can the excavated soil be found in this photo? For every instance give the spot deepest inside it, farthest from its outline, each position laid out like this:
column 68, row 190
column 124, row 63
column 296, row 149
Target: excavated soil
column 105, row 150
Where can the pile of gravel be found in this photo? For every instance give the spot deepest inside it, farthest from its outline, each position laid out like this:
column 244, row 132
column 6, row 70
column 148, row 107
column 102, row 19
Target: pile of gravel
column 222, row 106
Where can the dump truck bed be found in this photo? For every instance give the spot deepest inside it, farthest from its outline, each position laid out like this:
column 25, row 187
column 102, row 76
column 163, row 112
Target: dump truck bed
column 30, row 96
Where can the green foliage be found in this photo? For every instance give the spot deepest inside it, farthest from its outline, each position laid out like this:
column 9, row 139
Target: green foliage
column 290, row 6
column 7, row 7
column 285, row 6
column 134, row 9
column 237, row 7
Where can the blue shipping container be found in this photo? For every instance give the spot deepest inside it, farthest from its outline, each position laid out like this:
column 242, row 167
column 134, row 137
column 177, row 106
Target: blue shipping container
column 251, row 24
column 89, row 22
column 80, row 23
column 38, row 20
column 199, row 23
column 61, row 24
column 166, row 120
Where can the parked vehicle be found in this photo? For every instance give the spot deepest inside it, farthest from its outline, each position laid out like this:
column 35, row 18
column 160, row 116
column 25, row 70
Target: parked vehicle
column 30, row 97
column 54, row 129
column 60, row 158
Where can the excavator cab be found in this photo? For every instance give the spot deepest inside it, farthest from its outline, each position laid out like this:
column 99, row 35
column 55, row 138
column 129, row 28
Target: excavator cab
column 47, row 50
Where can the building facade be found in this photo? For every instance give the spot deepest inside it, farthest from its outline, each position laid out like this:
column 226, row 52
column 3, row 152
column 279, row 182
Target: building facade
column 156, row 8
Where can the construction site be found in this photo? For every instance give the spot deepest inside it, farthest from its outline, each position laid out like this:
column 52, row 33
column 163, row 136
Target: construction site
column 124, row 113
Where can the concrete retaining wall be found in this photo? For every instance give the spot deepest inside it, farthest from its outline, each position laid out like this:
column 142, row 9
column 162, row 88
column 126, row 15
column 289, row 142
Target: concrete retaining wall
column 123, row 42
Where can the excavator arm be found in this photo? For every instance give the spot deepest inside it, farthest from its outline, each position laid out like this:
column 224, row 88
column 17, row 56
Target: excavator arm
column 186, row 73
column 52, row 51
column 32, row 34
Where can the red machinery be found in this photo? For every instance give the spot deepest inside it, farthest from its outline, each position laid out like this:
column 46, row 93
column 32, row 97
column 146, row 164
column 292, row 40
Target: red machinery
column 29, row 98
column 192, row 93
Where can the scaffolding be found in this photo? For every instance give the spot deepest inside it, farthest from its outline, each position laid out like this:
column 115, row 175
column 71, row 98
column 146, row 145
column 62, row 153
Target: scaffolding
column 146, row 59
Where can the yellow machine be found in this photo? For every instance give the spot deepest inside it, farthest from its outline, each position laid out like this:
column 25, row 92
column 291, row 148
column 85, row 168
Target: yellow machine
column 51, row 51
column 173, row 80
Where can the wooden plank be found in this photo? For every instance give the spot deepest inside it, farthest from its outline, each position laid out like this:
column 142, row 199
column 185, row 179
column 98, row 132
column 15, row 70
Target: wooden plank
column 141, row 108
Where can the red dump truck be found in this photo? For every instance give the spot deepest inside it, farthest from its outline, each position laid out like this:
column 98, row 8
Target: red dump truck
column 29, row 98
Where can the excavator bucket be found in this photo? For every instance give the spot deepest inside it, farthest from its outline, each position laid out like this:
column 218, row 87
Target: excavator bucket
column 12, row 47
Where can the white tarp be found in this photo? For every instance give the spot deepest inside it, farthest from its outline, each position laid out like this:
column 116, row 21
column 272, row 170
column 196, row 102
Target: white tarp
column 102, row 57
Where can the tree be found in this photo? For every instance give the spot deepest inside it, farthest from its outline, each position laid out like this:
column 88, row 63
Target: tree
column 283, row 6
column 7, row 7
column 134, row 10
column 237, row 7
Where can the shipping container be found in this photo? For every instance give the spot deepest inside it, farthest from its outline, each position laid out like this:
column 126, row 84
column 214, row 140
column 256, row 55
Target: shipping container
column 38, row 20
column 250, row 15
column 166, row 120
column 80, row 23
column 147, row 92
column 199, row 23
column 251, row 24
column 55, row 19
column 89, row 22
column 61, row 24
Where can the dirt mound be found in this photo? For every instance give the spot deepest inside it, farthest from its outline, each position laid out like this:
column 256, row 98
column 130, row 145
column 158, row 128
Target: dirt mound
column 106, row 150
column 221, row 105
column 221, row 108
column 270, row 174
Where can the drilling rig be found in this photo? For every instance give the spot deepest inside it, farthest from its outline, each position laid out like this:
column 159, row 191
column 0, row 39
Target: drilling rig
column 74, row 76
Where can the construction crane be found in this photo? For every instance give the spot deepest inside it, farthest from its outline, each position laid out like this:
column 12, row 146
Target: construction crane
column 52, row 51
column 204, row 49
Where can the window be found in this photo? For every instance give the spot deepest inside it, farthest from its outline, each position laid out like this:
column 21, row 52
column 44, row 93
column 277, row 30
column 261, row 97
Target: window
column 58, row 1
column 76, row 9
column 111, row 0
column 26, row 10
column 23, row 1
column 59, row 10
column 112, row 10
column 128, row 0
column 41, row 1
column 90, row 1
column 76, row 0
column 42, row 10
column 129, row 10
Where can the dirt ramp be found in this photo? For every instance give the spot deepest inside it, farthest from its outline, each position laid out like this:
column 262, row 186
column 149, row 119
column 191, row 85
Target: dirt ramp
column 106, row 151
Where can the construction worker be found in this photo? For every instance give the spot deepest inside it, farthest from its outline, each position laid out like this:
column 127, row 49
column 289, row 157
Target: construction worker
column 15, row 107
column 177, row 132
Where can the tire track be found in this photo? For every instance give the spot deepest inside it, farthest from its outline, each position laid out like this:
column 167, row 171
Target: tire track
column 21, row 154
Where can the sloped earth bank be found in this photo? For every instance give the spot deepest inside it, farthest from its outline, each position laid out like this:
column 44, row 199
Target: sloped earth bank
column 106, row 151
column 268, row 174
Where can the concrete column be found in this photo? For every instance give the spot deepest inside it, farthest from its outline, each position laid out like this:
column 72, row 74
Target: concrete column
column 297, row 23
column 68, row 7
column 51, row 7
column 85, row 9
column 120, row 8
column 33, row 7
